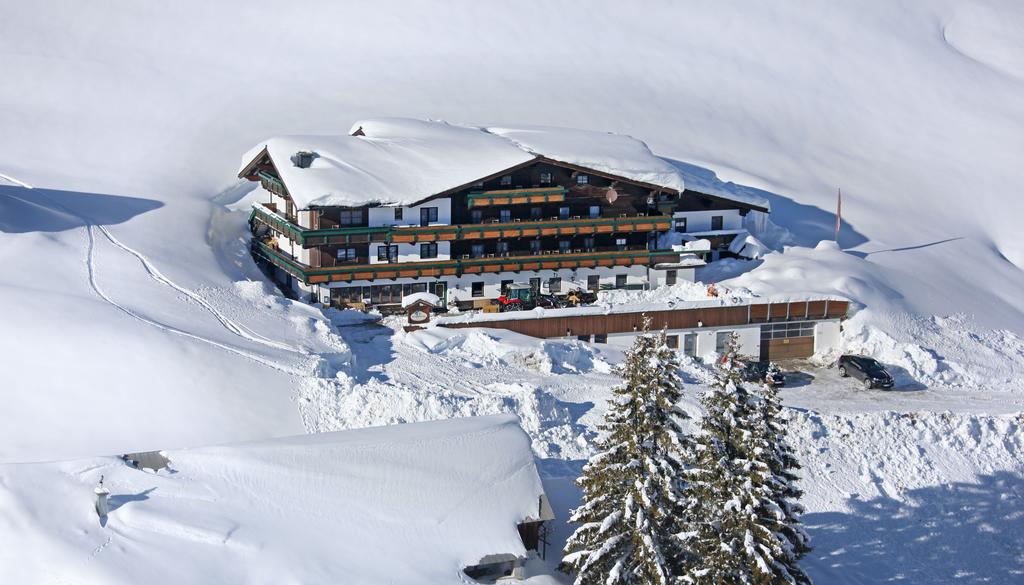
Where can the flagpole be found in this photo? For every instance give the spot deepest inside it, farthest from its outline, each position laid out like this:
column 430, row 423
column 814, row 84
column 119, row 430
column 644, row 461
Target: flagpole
column 839, row 212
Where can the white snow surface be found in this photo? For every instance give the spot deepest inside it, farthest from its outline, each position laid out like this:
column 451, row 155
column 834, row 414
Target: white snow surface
column 403, row 504
column 134, row 318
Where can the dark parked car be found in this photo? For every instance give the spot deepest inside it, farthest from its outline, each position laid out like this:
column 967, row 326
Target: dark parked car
column 866, row 369
column 763, row 373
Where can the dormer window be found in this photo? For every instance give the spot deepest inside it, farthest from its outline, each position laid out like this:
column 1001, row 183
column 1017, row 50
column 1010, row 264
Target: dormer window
column 582, row 179
column 506, row 180
column 545, row 178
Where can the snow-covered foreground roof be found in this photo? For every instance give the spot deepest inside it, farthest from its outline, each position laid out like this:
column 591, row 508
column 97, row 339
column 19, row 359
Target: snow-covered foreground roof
column 401, row 161
column 411, row 503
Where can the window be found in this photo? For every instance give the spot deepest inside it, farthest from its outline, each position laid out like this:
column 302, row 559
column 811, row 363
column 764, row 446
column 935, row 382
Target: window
column 600, row 338
column 582, row 179
column 545, row 178
column 428, row 215
column 652, row 240
column 672, row 341
column 505, row 215
column 504, row 286
column 398, row 213
column 428, row 250
column 563, row 213
column 787, row 330
column 502, row 247
column 554, row 285
column 478, row 288
column 506, row 180
column 681, row 225
column 387, row 253
column 620, row 243
column 385, row 294
column 588, row 243
column 722, row 340
column 476, row 250
column 564, row 246
column 476, row 216
column 717, row 222
column 620, row 281
column 593, row 282
column 690, row 344
column 595, row 211
column 671, row 276
column 536, row 212
column 346, row 254
column 416, row 287
column 350, row 217
column 583, row 338
column 535, row 246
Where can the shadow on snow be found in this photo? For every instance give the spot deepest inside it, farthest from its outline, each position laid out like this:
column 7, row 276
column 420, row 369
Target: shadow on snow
column 953, row 533
column 45, row 210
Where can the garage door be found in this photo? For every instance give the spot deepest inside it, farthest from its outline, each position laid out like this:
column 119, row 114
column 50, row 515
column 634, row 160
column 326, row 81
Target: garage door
column 787, row 340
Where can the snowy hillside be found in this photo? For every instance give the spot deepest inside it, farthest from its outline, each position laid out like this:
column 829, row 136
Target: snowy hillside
column 134, row 318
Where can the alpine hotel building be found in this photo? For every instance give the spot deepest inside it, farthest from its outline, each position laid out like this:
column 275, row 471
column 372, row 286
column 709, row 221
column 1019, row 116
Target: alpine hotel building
column 404, row 206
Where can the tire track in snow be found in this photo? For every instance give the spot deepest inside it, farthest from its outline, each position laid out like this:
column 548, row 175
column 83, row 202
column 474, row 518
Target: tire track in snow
column 94, row 283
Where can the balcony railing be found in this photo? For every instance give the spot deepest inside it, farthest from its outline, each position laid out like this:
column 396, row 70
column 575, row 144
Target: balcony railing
column 490, row 264
column 517, row 196
column 408, row 234
column 273, row 184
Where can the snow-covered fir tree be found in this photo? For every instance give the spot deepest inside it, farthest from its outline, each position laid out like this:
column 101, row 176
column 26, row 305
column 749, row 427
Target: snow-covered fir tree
column 781, row 508
column 630, row 512
column 736, row 506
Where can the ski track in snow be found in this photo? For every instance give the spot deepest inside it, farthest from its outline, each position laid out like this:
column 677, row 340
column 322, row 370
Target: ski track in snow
column 94, row 283
column 153, row 272
column 233, row 327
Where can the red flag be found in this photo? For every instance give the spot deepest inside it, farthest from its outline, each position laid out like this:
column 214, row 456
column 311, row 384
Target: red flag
column 839, row 212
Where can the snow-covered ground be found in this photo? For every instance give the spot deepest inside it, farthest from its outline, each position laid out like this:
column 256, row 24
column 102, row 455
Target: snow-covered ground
column 135, row 320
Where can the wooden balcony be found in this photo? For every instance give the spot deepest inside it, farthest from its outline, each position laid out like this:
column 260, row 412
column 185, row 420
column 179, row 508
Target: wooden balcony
column 408, row 234
column 440, row 268
column 517, row 196
column 272, row 184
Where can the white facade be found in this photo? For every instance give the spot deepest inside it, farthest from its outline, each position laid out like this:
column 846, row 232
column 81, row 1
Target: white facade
column 385, row 216
column 409, row 253
column 481, row 288
column 701, row 221
column 704, row 342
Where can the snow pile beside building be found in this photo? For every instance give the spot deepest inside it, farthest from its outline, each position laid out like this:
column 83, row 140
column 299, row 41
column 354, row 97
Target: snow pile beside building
column 405, row 504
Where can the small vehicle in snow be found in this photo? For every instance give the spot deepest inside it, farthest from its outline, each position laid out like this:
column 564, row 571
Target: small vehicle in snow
column 517, row 297
column 763, row 373
column 868, row 370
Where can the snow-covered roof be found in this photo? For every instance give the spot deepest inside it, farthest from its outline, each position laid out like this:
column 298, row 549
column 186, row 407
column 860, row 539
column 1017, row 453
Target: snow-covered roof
column 394, row 161
column 408, row 503
column 429, row 298
column 615, row 154
column 398, row 161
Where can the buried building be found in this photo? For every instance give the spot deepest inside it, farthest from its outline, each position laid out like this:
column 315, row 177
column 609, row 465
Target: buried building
column 431, row 502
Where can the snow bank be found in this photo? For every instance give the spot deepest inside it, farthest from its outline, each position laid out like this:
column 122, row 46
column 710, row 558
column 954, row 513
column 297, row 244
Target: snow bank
column 403, row 504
